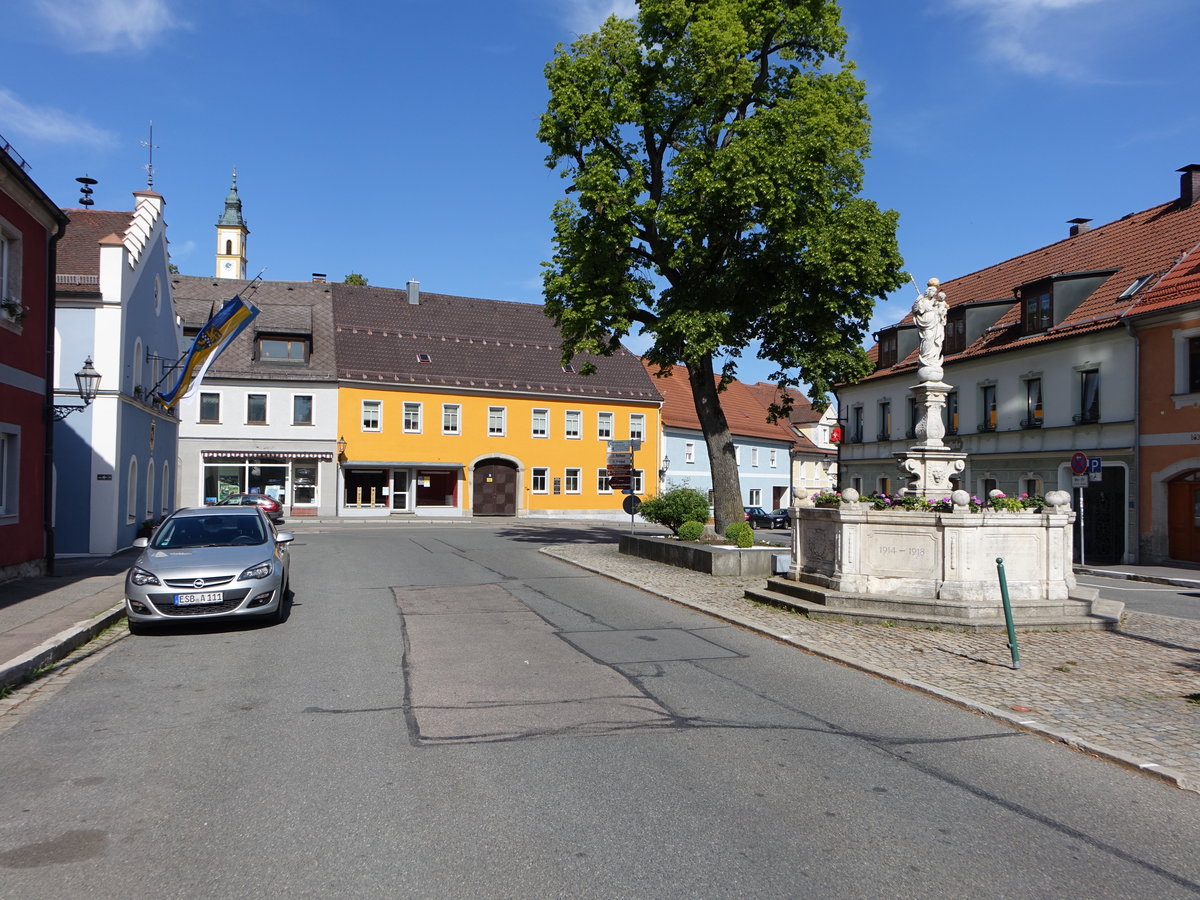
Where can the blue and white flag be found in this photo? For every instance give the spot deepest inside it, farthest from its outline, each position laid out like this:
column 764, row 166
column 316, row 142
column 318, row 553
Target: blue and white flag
column 217, row 334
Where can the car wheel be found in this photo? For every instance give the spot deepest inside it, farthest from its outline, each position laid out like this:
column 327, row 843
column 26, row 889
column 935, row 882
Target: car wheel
column 137, row 628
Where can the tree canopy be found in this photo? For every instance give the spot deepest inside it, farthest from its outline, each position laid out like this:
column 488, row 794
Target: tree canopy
column 715, row 150
column 354, row 278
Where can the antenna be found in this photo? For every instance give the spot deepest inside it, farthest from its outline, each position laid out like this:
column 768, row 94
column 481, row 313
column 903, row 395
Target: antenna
column 149, row 167
column 85, row 191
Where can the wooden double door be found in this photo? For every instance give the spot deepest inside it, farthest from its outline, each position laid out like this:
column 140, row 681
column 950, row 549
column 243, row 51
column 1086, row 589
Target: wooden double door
column 494, row 488
column 1183, row 517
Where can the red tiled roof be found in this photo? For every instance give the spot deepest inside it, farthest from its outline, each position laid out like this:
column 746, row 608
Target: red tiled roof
column 79, row 247
column 743, row 405
column 1151, row 242
column 1179, row 287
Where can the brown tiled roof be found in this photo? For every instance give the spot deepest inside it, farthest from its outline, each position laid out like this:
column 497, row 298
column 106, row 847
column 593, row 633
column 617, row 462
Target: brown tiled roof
column 1179, row 287
column 744, row 408
column 285, row 308
column 471, row 344
column 79, row 247
column 1150, row 242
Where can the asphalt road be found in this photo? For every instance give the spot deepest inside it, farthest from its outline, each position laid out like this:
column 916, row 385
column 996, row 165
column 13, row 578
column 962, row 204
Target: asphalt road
column 448, row 713
column 1145, row 597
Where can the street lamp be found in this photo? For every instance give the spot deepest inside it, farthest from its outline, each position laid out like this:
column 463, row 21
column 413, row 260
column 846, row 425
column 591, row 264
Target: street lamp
column 341, row 447
column 666, row 465
column 87, row 382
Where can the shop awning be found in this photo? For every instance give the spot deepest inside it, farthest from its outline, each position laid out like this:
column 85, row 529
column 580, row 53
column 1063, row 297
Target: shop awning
column 267, row 454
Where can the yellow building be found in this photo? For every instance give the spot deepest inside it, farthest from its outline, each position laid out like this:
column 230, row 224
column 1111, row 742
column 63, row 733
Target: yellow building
column 457, row 406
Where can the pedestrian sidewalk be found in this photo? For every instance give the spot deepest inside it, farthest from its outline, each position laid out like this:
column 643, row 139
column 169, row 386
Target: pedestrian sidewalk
column 1122, row 695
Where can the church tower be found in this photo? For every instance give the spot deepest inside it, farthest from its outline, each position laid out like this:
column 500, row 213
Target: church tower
column 231, row 237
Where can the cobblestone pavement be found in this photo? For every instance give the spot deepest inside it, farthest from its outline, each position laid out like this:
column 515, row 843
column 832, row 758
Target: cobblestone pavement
column 1121, row 695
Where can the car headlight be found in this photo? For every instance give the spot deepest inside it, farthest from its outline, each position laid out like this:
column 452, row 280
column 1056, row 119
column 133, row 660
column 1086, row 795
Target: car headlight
column 141, row 577
column 262, row 570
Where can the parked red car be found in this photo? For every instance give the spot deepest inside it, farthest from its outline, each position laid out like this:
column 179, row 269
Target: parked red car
column 269, row 505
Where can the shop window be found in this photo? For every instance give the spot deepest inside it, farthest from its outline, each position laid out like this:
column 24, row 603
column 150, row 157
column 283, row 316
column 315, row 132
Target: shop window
column 497, row 421
column 573, row 424
column 302, row 409
column 304, row 492
column 372, row 415
column 604, row 426
column 256, row 409
column 412, row 418
column 210, row 409
column 451, row 418
column 541, row 423
column 365, row 489
column 539, row 480
column 437, row 487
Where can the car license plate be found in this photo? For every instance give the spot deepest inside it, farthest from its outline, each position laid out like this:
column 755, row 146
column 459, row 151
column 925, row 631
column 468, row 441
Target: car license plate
column 197, row 599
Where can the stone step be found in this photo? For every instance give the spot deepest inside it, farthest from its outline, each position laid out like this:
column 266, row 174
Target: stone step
column 818, row 604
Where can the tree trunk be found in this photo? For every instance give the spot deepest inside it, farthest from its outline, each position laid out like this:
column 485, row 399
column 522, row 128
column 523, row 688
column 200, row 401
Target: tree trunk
column 722, row 461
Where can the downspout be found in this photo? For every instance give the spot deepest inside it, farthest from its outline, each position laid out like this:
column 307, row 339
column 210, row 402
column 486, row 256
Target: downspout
column 48, row 462
column 1137, row 440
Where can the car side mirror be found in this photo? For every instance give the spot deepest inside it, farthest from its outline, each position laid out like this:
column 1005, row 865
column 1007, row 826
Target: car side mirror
column 141, row 542
column 284, row 537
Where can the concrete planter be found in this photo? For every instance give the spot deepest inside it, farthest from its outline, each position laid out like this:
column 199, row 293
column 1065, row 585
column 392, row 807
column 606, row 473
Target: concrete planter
column 753, row 561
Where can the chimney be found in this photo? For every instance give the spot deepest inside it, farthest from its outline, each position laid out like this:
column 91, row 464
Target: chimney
column 414, row 293
column 318, row 277
column 1189, row 185
column 1079, row 226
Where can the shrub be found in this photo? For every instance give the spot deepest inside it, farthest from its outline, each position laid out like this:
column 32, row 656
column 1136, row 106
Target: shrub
column 691, row 531
column 674, row 507
column 827, row 498
column 741, row 534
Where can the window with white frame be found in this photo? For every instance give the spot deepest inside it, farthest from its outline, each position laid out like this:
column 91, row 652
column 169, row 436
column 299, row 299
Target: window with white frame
column 372, row 415
column 689, row 451
column 756, row 496
column 210, row 409
column 604, row 426
column 572, row 481
column 541, row 423
column 774, row 459
column 9, row 464
column 451, row 417
column 573, row 424
column 412, row 417
column 149, row 490
column 11, row 309
column 754, row 457
column 497, row 420
column 636, row 483
column 539, row 480
column 637, row 426
column 603, row 485
column 131, row 486
column 302, row 409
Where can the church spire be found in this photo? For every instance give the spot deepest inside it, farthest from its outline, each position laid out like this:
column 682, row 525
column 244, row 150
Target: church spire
column 231, row 236
column 233, row 206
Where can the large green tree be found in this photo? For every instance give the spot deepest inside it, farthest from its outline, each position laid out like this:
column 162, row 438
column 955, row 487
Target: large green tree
column 715, row 153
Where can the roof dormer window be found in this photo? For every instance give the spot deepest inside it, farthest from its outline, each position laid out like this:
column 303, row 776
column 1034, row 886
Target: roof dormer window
column 1037, row 308
column 887, row 349
column 956, row 331
column 281, row 349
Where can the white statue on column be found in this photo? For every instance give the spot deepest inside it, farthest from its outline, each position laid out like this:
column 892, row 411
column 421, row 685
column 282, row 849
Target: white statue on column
column 929, row 312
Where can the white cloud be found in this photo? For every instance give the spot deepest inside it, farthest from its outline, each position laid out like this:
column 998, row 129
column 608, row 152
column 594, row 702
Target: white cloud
column 101, row 26
column 1034, row 36
column 583, row 16
column 51, row 126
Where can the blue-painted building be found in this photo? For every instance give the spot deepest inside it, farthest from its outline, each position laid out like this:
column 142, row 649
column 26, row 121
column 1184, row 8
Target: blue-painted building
column 115, row 462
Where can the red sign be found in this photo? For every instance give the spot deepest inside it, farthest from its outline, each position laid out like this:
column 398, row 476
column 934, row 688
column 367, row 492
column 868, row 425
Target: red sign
column 1079, row 463
column 835, row 435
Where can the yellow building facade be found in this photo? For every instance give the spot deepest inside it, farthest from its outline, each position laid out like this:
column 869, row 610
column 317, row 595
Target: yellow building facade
column 440, row 453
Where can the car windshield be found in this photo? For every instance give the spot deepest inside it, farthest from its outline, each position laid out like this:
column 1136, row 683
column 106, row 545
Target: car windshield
column 214, row 530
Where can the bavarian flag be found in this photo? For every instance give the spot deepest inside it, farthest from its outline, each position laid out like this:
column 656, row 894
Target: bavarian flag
column 217, row 334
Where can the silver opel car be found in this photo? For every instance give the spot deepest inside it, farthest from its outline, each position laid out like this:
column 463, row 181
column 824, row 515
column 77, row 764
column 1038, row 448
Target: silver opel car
column 215, row 561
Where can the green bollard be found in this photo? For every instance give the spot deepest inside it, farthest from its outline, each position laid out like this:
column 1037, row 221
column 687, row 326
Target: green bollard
column 1008, row 619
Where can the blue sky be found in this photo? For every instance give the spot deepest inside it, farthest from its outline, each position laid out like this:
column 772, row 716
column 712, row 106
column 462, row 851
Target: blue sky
column 398, row 138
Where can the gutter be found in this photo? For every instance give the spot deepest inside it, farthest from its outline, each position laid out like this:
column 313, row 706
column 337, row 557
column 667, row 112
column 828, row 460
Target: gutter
column 1137, row 438
column 48, row 462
